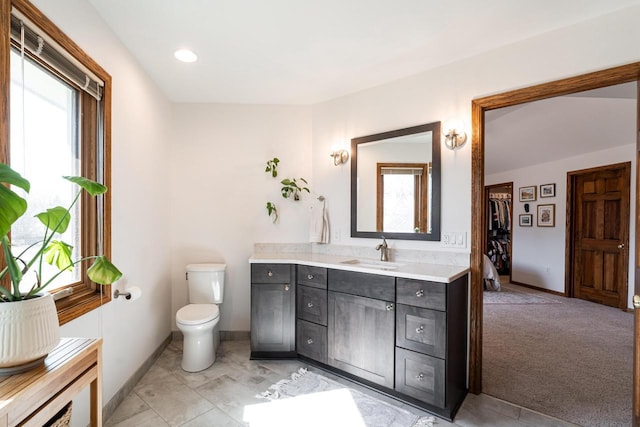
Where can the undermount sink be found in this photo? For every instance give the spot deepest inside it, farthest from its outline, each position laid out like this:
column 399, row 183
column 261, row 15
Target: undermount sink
column 369, row 263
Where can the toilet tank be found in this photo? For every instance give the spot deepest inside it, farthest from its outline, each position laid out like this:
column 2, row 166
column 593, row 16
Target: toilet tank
column 206, row 283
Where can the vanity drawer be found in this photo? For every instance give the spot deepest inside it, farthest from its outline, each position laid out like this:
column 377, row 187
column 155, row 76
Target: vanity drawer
column 312, row 304
column 270, row 273
column 421, row 293
column 421, row 330
column 312, row 276
column 363, row 284
column 311, row 340
column 420, row 376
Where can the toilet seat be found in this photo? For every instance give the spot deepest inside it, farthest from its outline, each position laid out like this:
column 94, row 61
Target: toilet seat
column 196, row 314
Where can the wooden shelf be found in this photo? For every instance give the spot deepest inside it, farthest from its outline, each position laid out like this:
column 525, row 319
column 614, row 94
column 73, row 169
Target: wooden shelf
column 32, row 398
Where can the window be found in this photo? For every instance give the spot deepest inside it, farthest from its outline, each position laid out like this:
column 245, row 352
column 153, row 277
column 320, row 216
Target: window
column 403, row 199
column 58, row 103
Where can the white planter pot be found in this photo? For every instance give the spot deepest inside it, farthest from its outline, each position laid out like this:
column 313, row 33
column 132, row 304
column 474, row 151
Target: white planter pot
column 29, row 330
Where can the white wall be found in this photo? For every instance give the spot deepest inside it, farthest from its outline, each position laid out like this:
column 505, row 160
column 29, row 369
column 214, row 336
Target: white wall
column 201, row 179
column 141, row 128
column 539, row 252
column 219, row 190
column 447, row 92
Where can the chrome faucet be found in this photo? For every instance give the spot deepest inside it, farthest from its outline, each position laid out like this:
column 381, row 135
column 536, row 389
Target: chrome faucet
column 384, row 250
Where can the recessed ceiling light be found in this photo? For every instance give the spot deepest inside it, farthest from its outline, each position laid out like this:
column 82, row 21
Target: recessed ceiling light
column 185, row 55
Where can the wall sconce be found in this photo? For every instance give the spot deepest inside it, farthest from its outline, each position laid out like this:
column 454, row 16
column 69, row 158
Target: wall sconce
column 454, row 138
column 339, row 156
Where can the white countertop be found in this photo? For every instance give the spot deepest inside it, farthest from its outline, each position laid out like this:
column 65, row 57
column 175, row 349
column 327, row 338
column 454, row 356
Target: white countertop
column 409, row 270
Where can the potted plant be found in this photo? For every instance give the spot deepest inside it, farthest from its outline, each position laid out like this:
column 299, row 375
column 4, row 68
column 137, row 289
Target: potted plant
column 29, row 327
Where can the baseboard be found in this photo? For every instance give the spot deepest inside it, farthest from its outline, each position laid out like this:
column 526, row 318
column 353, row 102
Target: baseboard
column 549, row 291
column 234, row 335
column 118, row 398
column 224, row 335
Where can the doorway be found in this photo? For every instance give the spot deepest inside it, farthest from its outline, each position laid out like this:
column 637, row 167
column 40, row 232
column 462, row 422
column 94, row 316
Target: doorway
column 498, row 243
column 623, row 74
column 597, row 267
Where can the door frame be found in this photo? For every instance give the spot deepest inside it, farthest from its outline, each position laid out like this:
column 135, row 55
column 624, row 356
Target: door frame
column 608, row 77
column 569, row 285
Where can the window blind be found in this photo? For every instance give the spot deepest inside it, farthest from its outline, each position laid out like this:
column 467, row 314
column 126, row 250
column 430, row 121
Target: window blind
column 39, row 45
column 400, row 171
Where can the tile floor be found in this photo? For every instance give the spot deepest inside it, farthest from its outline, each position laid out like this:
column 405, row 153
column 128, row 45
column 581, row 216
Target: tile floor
column 168, row 396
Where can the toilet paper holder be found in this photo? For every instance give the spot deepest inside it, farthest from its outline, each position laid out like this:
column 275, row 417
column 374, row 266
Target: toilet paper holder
column 126, row 295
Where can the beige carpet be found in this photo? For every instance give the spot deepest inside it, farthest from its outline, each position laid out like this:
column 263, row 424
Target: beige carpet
column 571, row 360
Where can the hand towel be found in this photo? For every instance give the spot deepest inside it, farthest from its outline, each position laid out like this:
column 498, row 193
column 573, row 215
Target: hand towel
column 319, row 222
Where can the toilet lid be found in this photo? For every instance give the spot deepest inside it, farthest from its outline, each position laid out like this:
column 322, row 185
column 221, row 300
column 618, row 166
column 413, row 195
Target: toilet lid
column 195, row 314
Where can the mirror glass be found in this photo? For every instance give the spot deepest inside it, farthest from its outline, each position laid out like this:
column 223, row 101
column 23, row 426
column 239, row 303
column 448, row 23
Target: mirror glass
column 395, row 184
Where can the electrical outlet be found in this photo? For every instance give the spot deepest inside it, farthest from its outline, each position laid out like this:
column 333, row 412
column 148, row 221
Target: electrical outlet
column 454, row 239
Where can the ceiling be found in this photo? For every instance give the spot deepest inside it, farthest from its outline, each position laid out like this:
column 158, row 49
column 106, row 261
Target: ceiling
column 558, row 128
column 305, row 51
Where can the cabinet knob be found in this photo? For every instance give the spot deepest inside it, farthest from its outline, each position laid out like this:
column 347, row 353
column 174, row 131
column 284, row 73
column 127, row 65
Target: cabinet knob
column 310, row 276
column 420, row 293
column 309, row 304
column 420, row 376
column 286, row 287
column 309, row 341
column 269, row 273
column 389, row 307
column 420, row 329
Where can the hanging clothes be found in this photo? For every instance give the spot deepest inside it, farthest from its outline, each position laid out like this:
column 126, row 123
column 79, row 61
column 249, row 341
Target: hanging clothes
column 499, row 214
column 498, row 250
column 499, row 237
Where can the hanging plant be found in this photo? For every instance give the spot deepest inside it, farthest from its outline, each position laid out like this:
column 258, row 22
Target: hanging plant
column 272, row 166
column 290, row 188
column 273, row 211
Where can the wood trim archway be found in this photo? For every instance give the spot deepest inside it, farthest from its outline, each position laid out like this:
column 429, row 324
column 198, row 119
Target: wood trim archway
column 598, row 79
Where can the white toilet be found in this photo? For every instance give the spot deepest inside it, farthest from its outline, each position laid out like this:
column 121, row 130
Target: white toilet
column 198, row 320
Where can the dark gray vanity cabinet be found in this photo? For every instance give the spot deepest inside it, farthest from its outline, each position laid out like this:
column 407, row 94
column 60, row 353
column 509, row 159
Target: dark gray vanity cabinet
column 431, row 334
column 311, row 312
column 404, row 337
column 272, row 310
column 361, row 325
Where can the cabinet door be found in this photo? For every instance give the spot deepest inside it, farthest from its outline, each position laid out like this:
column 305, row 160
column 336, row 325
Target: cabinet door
column 312, row 304
column 270, row 273
column 422, row 330
column 272, row 317
column 316, row 277
column 421, row 376
column 311, row 340
column 361, row 337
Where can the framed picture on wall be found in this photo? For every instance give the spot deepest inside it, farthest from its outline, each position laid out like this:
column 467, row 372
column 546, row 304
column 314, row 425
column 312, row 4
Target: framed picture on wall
column 547, row 215
column 528, row 194
column 526, row 220
column 548, row 190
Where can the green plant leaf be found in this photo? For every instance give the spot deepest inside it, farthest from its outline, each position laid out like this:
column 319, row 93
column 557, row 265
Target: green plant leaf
column 92, row 187
column 55, row 219
column 12, row 266
column 12, row 206
column 58, row 253
column 286, row 181
column 273, row 211
column 11, row 177
column 102, row 271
